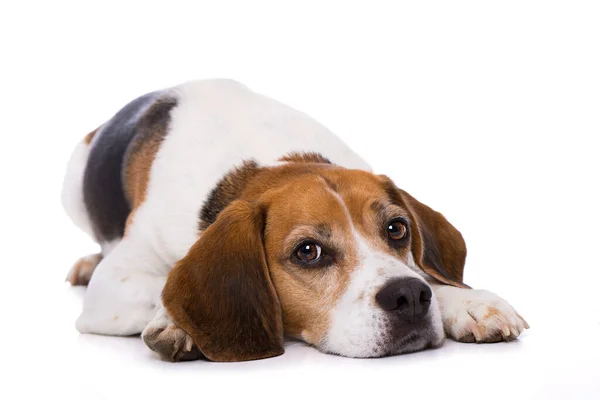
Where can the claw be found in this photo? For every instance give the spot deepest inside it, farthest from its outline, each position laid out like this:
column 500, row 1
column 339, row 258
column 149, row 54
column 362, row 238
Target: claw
column 476, row 332
column 188, row 344
column 525, row 324
column 505, row 332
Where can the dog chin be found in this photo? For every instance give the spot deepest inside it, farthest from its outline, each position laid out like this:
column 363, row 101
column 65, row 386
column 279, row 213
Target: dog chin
column 416, row 343
column 426, row 338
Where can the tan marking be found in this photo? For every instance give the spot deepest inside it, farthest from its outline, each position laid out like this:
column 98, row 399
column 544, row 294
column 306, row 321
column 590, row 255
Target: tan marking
column 492, row 312
column 124, row 279
column 138, row 172
column 152, row 130
column 432, row 236
column 197, row 294
column 88, row 138
column 116, row 317
column 323, row 202
column 308, row 194
column 227, row 190
column 305, row 157
column 308, row 294
column 81, row 273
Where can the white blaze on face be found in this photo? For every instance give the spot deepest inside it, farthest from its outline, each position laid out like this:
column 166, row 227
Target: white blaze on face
column 358, row 326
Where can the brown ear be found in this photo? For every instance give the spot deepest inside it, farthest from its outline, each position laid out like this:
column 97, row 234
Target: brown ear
column 438, row 247
column 221, row 293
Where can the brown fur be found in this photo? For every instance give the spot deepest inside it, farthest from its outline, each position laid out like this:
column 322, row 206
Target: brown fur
column 82, row 271
column 305, row 157
column 228, row 189
column 492, row 312
column 297, row 200
column 140, row 155
column 88, row 138
column 221, row 293
column 308, row 294
column 438, row 247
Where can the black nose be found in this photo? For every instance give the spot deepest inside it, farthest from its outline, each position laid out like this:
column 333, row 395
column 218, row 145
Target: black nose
column 409, row 298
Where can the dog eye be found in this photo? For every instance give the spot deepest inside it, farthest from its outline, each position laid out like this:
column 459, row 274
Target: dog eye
column 308, row 252
column 397, row 229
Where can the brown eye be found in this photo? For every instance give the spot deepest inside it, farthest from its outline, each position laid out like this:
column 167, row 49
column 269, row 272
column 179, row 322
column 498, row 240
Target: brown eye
column 397, row 230
column 308, row 252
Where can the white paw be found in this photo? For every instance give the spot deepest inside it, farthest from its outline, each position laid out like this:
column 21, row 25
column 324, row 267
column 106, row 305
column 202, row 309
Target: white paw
column 478, row 316
column 169, row 341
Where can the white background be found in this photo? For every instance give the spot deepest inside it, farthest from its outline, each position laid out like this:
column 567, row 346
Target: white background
column 487, row 111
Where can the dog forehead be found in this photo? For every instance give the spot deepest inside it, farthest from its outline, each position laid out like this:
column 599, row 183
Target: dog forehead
column 353, row 188
column 307, row 200
column 357, row 189
column 326, row 197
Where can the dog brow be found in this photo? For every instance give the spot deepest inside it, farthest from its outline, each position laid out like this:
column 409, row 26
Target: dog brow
column 323, row 230
column 379, row 207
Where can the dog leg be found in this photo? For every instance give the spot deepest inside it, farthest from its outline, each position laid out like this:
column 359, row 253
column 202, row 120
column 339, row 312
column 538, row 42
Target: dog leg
column 477, row 315
column 123, row 294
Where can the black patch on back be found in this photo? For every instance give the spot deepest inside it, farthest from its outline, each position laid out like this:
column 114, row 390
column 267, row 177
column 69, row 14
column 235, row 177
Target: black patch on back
column 155, row 120
column 103, row 192
column 228, row 189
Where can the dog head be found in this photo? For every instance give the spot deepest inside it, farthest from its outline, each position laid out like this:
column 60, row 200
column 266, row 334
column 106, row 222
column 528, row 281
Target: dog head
column 335, row 257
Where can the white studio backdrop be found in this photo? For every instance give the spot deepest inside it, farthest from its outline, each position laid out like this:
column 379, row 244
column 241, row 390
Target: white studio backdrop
column 486, row 111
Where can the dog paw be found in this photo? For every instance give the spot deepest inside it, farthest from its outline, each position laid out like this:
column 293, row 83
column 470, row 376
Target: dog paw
column 479, row 316
column 169, row 341
column 81, row 273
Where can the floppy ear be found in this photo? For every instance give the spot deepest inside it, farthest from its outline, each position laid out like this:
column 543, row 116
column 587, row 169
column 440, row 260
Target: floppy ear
column 221, row 293
column 438, row 247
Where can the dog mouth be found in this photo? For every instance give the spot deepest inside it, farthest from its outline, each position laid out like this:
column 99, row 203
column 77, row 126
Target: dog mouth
column 416, row 340
column 409, row 340
column 380, row 334
column 404, row 340
column 402, row 337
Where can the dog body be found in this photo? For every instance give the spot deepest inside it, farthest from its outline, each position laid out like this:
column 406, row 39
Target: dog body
column 255, row 221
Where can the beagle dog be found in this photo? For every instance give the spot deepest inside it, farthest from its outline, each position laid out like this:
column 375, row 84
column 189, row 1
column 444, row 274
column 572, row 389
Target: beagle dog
column 228, row 220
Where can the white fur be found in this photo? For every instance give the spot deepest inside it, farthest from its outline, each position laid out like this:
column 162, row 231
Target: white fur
column 415, row 268
column 124, row 292
column 357, row 327
column 160, row 321
column 466, row 312
column 72, row 190
column 357, row 322
column 108, row 247
column 216, row 124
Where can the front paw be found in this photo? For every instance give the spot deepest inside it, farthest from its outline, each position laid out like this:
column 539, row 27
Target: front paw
column 169, row 341
column 479, row 316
